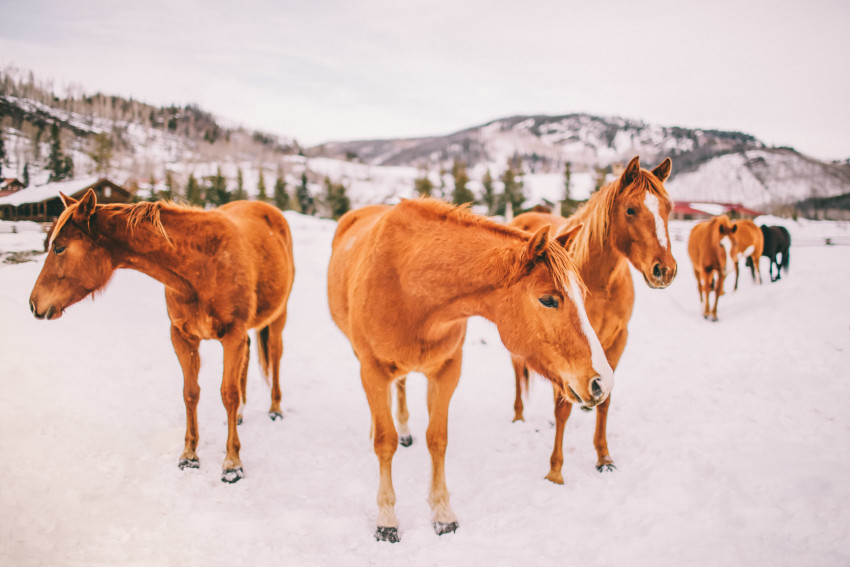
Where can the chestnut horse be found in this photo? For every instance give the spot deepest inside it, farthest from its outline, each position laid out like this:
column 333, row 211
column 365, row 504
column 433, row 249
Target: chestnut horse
column 708, row 256
column 225, row 271
column 625, row 222
column 402, row 283
column 749, row 243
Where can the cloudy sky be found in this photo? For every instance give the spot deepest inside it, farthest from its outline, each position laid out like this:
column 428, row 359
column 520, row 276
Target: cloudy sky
column 339, row 70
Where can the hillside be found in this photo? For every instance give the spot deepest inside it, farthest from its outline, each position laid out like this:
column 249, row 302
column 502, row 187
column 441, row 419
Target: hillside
column 147, row 145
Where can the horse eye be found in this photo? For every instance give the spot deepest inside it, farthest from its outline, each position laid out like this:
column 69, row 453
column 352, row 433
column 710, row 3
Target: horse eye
column 58, row 249
column 548, row 301
column 630, row 211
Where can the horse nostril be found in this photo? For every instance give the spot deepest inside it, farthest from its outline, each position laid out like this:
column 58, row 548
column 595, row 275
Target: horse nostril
column 596, row 388
column 32, row 306
column 656, row 271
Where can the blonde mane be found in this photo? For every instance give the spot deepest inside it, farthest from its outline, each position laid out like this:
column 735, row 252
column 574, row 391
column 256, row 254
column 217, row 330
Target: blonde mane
column 595, row 215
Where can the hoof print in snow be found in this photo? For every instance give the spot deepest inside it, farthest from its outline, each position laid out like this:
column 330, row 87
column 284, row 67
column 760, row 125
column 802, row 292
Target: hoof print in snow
column 232, row 475
column 275, row 415
column 442, row 528
column 188, row 464
column 405, row 440
column 387, row 534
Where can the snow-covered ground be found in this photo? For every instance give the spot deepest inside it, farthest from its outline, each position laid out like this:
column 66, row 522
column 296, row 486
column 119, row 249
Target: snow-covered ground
column 732, row 439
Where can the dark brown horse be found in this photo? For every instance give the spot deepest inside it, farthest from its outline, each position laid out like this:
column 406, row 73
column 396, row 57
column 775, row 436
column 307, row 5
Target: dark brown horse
column 225, row 271
column 402, row 283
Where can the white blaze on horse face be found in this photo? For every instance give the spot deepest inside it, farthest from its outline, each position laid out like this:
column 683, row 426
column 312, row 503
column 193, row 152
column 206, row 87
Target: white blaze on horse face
column 651, row 203
column 597, row 354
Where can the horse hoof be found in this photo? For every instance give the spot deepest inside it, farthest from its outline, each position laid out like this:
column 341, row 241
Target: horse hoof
column 442, row 528
column 518, row 417
column 189, row 464
column 275, row 415
column 232, row 475
column 607, row 467
column 387, row 534
column 406, row 440
column 239, row 420
column 555, row 477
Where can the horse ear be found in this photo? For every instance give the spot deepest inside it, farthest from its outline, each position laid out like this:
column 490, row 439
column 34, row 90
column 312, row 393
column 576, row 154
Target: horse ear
column 631, row 172
column 662, row 172
column 536, row 247
column 735, row 227
column 66, row 200
column 565, row 239
column 85, row 207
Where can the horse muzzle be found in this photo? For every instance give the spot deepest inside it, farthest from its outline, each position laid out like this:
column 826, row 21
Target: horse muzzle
column 50, row 313
column 661, row 276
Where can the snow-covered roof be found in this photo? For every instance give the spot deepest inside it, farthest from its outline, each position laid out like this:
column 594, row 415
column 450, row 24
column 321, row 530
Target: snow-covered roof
column 43, row 192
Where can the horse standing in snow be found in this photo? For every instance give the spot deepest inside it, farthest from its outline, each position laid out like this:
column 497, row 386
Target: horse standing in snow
column 225, row 271
column 625, row 222
column 777, row 240
column 708, row 256
column 749, row 243
column 402, row 282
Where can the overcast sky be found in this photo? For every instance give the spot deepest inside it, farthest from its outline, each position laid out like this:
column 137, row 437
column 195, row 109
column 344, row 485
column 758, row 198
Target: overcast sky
column 341, row 70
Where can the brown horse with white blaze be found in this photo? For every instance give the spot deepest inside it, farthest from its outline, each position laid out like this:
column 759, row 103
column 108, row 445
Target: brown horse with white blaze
column 708, row 256
column 624, row 222
column 402, row 283
column 225, row 271
column 749, row 243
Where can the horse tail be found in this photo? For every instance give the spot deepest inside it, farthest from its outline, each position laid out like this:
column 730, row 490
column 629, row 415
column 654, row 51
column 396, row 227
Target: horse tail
column 786, row 258
column 263, row 352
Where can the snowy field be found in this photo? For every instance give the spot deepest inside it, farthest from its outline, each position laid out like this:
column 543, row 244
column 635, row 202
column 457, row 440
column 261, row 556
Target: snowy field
column 732, row 439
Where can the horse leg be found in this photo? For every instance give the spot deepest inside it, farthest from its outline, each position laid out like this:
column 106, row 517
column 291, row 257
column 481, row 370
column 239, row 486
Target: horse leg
column 736, row 274
column 562, row 412
column 186, row 349
column 604, row 461
column 243, row 381
column 234, row 346
column 521, row 377
column 441, row 386
column 699, row 283
column 376, row 383
column 709, row 285
column 718, row 291
column 275, row 352
column 402, row 415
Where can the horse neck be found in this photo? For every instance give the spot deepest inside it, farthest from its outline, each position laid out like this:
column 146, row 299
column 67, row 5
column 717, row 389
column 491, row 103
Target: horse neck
column 142, row 248
column 594, row 251
column 457, row 270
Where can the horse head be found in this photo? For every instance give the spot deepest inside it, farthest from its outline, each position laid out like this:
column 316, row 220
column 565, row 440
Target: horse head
column 639, row 209
column 542, row 319
column 75, row 265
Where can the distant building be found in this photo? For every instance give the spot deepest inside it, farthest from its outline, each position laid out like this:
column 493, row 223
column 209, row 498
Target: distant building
column 43, row 204
column 9, row 186
column 686, row 210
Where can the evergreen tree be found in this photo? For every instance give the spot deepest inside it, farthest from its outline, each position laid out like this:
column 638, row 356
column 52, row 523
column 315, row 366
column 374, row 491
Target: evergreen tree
column 281, row 197
column 336, row 198
column 239, row 194
column 25, row 176
column 423, row 185
column 461, row 194
column 168, row 194
column 305, row 200
column 2, row 151
column 217, row 193
column 60, row 165
column 489, row 198
column 101, row 155
column 193, row 191
column 601, row 175
column 261, row 188
column 568, row 205
column 513, row 192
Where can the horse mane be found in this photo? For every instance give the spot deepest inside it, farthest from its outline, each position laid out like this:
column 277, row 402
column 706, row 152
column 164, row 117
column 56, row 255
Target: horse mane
column 144, row 215
column 596, row 213
column 557, row 259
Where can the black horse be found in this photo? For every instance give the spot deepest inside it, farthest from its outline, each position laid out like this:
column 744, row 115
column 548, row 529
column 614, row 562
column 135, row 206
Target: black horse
column 777, row 241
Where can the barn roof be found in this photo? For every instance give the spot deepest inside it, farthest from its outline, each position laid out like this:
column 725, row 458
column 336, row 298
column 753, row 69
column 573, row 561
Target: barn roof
column 51, row 190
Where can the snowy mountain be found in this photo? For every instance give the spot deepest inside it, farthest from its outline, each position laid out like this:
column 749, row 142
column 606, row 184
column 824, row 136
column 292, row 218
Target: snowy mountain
column 148, row 144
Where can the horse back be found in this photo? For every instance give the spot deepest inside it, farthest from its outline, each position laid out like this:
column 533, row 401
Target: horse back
column 534, row 221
